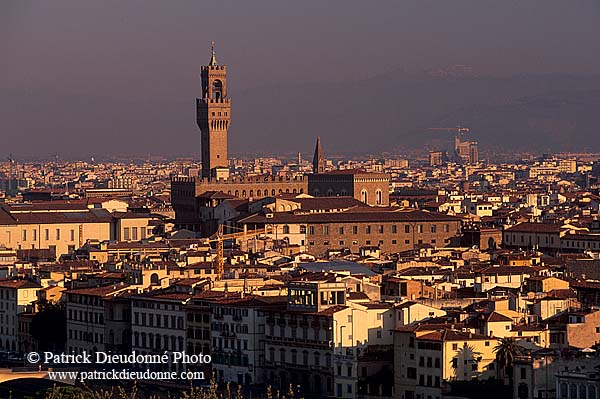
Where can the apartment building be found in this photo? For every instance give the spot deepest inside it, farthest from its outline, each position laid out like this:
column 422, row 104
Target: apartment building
column 238, row 331
column 425, row 357
column 158, row 323
column 98, row 319
column 37, row 226
column 15, row 297
column 325, row 343
column 392, row 230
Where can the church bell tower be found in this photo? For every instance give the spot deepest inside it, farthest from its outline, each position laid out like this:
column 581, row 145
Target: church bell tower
column 213, row 114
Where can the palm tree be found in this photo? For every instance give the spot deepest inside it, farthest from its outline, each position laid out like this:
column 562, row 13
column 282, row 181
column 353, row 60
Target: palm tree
column 463, row 361
column 506, row 352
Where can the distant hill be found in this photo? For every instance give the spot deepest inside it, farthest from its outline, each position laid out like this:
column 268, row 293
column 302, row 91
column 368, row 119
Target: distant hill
column 529, row 112
column 384, row 113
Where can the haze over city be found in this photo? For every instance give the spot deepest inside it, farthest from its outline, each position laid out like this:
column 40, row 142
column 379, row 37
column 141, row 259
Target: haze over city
column 83, row 78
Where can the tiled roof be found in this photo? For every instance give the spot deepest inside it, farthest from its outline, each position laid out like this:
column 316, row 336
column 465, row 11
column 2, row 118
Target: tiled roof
column 351, row 216
column 83, row 215
column 106, row 290
column 453, row 335
column 18, row 284
column 498, row 317
column 528, row 227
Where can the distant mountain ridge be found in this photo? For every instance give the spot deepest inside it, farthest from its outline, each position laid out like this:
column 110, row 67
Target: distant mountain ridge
column 384, row 113
column 527, row 112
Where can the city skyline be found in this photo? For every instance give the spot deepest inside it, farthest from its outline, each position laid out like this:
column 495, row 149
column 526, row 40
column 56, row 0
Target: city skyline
column 310, row 200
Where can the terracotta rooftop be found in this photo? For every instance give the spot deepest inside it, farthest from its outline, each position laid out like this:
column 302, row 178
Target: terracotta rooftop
column 18, row 284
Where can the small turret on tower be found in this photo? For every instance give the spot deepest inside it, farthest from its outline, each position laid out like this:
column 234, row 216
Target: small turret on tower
column 213, row 56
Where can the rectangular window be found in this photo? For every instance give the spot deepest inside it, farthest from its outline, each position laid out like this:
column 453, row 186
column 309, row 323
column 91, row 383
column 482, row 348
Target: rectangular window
column 394, row 228
column 368, row 230
column 434, row 228
column 407, row 228
column 354, row 229
column 341, row 230
column 134, row 233
column 58, row 234
column 126, row 233
column 143, row 233
column 72, row 235
column 311, row 230
column 24, row 235
column 380, row 229
column 419, row 228
column 47, row 234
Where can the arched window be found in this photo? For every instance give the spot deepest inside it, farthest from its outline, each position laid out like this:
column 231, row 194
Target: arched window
column 573, row 390
column 582, row 392
column 217, row 90
column 251, row 193
column 243, row 193
column 282, row 355
column 258, row 193
column 330, row 193
column 363, row 196
column 273, row 192
column 378, row 197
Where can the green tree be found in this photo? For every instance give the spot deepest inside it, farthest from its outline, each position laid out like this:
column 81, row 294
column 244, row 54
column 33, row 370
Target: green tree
column 49, row 327
column 507, row 350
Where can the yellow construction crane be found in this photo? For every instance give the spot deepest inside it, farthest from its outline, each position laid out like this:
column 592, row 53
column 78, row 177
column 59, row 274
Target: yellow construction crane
column 218, row 237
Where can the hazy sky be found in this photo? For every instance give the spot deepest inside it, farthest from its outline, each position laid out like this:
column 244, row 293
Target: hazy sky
column 93, row 77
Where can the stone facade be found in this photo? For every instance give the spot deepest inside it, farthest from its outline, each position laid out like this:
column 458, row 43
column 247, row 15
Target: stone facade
column 391, row 231
column 213, row 114
column 370, row 188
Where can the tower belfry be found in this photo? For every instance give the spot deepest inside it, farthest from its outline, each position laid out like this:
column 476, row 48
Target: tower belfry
column 213, row 115
column 318, row 160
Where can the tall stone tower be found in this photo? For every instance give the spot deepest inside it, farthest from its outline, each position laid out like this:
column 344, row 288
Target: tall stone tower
column 213, row 114
column 318, row 160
